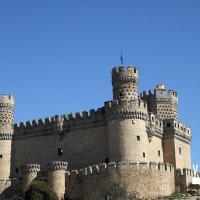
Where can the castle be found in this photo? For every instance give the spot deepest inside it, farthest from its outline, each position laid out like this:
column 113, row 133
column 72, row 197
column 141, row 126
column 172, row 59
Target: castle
column 134, row 139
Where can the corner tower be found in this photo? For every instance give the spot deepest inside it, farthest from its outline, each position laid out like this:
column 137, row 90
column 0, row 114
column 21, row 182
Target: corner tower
column 162, row 103
column 6, row 133
column 127, row 116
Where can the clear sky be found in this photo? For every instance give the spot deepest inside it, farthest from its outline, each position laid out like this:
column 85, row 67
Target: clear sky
column 56, row 56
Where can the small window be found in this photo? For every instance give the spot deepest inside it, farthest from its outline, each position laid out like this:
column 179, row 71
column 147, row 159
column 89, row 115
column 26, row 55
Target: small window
column 60, row 152
column 144, row 155
column 159, row 153
column 16, row 170
column 138, row 138
column 168, row 124
column 1, row 156
column 107, row 160
column 179, row 150
column 120, row 94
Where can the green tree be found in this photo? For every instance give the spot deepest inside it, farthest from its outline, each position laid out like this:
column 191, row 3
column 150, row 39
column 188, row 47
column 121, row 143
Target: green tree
column 39, row 190
column 113, row 190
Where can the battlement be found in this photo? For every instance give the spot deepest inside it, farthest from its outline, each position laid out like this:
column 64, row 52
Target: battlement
column 133, row 104
column 171, row 126
column 121, row 167
column 7, row 99
column 124, row 72
column 60, row 122
column 159, row 93
column 30, row 168
column 57, row 165
column 126, row 109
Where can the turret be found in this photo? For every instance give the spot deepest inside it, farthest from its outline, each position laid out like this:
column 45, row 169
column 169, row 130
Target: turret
column 127, row 117
column 125, row 83
column 56, row 177
column 162, row 103
column 6, row 133
column 29, row 174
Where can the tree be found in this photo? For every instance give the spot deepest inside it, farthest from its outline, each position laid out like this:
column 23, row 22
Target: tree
column 115, row 191
column 39, row 190
column 17, row 198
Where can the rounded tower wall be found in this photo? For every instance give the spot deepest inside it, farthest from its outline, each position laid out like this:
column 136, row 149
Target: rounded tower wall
column 128, row 140
column 56, row 177
column 125, row 83
column 6, row 132
column 5, row 157
column 29, row 174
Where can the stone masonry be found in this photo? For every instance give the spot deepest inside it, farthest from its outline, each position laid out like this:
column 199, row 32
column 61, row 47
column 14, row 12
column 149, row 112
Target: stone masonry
column 134, row 139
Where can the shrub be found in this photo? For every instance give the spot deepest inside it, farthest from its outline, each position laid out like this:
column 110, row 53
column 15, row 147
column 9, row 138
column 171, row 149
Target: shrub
column 17, row 198
column 39, row 190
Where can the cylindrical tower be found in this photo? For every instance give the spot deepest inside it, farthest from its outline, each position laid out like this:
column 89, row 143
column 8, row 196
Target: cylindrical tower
column 127, row 117
column 6, row 132
column 56, row 177
column 29, row 173
column 125, row 83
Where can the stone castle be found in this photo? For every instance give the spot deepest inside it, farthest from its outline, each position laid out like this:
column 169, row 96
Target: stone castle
column 134, row 139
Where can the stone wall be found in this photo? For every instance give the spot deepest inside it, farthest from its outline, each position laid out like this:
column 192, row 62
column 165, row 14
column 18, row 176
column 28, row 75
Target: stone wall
column 184, row 178
column 183, row 158
column 80, row 145
column 164, row 104
column 144, row 180
column 6, row 133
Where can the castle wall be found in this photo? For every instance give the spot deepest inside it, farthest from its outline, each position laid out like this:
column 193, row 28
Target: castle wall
column 5, row 149
column 162, row 103
column 143, row 180
column 81, row 147
column 176, row 144
column 169, row 150
column 155, row 150
column 6, row 133
column 183, row 159
column 123, row 143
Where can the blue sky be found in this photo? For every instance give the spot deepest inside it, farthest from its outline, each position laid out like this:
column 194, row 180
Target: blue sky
column 56, row 56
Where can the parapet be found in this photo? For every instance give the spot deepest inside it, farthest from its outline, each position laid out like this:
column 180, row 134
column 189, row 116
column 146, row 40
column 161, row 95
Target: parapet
column 6, row 136
column 30, row 168
column 122, row 167
column 57, row 165
column 173, row 126
column 59, row 122
column 7, row 99
column 130, row 73
column 159, row 94
column 187, row 172
column 132, row 104
column 125, row 109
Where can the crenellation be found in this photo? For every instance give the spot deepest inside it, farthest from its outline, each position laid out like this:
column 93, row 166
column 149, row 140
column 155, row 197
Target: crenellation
column 153, row 166
column 74, row 173
column 161, row 166
column 143, row 165
column 41, row 122
column 132, row 137
column 78, row 116
column 85, row 115
column 174, row 127
column 167, row 167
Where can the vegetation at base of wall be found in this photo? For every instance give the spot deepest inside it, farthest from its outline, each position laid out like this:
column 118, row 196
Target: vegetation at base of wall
column 113, row 190
column 39, row 190
column 177, row 196
column 17, row 198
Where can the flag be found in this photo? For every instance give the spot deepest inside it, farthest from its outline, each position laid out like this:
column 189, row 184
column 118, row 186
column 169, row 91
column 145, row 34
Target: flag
column 121, row 58
column 160, row 87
